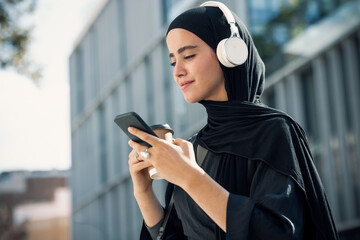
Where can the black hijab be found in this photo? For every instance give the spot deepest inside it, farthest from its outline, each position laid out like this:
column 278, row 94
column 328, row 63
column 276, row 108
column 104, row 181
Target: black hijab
column 242, row 127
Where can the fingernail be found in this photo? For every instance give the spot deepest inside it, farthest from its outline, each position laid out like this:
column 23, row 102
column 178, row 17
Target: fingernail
column 130, row 129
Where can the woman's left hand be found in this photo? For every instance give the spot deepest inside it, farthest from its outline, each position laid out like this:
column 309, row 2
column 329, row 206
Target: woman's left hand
column 174, row 161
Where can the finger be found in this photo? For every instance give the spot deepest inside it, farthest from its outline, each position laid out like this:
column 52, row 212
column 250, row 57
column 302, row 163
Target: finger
column 135, row 156
column 134, row 160
column 181, row 142
column 132, row 154
column 177, row 141
column 186, row 146
column 152, row 140
column 140, row 166
column 137, row 147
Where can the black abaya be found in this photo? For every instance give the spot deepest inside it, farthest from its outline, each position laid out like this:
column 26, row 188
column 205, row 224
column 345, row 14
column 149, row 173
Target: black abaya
column 260, row 155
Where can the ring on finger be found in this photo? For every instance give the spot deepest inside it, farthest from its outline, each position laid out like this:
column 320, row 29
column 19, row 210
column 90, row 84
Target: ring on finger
column 137, row 156
column 145, row 154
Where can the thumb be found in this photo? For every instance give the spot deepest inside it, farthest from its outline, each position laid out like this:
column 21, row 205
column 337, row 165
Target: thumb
column 180, row 142
column 186, row 146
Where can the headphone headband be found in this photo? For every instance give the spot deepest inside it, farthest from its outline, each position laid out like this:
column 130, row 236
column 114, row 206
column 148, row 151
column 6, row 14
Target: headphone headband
column 231, row 51
column 227, row 13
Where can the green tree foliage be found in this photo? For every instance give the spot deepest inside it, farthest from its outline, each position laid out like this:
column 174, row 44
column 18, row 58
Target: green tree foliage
column 291, row 19
column 15, row 37
column 289, row 22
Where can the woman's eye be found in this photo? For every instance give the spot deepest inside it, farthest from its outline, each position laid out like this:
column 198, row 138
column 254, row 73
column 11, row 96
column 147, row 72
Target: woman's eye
column 186, row 58
column 190, row 56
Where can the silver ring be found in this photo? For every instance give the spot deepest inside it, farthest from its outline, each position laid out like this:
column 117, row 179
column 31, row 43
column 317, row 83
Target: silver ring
column 145, row 154
column 136, row 156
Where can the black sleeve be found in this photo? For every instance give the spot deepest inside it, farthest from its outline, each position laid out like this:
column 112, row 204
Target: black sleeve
column 154, row 230
column 173, row 229
column 273, row 210
column 144, row 234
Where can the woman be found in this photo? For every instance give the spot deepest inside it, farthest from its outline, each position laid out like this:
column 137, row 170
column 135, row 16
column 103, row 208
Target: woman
column 248, row 174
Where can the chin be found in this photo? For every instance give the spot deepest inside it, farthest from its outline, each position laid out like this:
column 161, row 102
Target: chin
column 191, row 99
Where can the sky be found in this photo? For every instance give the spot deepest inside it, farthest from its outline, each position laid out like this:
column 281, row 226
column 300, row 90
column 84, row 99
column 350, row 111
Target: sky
column 35, row 120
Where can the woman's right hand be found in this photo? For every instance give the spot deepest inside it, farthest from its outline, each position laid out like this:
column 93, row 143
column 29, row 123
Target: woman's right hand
column 139, row 170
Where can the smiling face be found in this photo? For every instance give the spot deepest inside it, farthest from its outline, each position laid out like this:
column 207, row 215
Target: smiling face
column 196, row 68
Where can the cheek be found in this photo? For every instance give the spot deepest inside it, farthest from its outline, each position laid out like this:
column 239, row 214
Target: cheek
column 209, row 65
column 213, row 69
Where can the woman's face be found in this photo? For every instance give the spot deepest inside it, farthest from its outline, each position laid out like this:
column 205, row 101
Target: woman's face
column 196, row 68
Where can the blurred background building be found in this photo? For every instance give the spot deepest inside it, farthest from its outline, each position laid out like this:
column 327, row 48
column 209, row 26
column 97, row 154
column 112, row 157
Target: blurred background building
column 35, row 205
column 120, row 63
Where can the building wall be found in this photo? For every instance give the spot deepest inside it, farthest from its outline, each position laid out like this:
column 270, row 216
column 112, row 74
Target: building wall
column 26, row 197
column 121, row 64
column 56, row 229
column 321, row 91
column 46, row 220
column 116, row 59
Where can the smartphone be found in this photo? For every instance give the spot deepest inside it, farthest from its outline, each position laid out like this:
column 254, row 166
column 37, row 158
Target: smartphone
column 132, row 119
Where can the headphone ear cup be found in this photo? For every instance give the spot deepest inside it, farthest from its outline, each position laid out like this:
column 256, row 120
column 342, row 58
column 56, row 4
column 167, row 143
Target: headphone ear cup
column 236, row 50
column 232, row 52
column 221, row 54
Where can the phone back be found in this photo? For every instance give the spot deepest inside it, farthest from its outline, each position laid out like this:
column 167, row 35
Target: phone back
column 132, row 119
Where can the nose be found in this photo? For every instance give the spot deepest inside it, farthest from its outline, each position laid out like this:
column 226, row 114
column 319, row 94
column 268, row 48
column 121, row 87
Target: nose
column 179, row 70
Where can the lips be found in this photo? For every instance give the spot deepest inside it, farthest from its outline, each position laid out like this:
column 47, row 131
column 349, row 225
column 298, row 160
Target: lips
column 185, row 84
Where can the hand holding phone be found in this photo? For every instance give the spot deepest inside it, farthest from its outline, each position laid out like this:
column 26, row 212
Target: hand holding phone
column 132, row 119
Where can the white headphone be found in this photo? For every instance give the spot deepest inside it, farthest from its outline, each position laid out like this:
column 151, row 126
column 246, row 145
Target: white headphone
column 231, row 51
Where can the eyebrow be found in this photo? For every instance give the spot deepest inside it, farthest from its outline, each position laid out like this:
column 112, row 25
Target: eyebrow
column 182, row 49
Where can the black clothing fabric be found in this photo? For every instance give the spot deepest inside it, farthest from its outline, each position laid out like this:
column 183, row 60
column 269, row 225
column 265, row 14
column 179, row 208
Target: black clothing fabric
column 263, row 203
column 263, row 134
column 258, row 200
column 260, row 155
column 154, row 230
column 271, row 195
